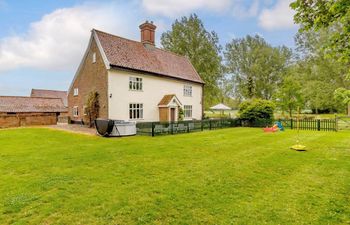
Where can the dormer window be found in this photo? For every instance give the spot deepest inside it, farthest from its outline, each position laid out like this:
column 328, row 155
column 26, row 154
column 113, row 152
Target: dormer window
column 187, row 90
column 94, row 57
column 76, row 91
column 135, row 83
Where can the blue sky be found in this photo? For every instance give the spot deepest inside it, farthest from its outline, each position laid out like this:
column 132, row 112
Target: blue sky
column 42, row 42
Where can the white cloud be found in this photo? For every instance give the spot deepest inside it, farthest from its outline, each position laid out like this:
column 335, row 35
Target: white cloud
column 176, row 8
column 173, row 8
column 59, row 39
column 280, row 16
column 242, row 11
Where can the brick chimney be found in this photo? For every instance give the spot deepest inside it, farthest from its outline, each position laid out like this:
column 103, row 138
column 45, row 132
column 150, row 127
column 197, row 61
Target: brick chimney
column 147, row 32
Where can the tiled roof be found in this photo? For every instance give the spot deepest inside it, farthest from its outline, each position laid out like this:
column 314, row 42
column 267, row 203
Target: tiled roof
column 50, row 94
column 166, row 100
column 125, row 53
column 31, row 104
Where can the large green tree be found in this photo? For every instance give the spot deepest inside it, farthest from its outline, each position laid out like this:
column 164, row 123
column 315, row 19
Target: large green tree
column 333, row 15
column 256, row 67
column 189, row 37
column 319, row 74
column 289, row 96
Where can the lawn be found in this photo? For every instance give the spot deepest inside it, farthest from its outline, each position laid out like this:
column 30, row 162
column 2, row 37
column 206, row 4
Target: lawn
column 228, row 176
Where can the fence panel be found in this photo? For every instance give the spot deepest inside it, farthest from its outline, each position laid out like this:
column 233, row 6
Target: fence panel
column 166, row 128
column 310, row 124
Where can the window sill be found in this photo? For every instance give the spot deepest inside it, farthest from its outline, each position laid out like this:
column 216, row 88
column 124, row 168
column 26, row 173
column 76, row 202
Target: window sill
column 136, row 90
column 136, row 119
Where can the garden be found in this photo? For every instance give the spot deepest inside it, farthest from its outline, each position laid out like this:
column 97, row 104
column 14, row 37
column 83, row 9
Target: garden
column 226, row 176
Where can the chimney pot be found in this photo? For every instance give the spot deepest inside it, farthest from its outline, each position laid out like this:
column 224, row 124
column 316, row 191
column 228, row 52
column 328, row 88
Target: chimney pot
column 148, row 32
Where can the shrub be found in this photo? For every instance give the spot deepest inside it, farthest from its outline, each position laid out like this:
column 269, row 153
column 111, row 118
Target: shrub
column 181, row 114
column 92, row 107
column 257, row 112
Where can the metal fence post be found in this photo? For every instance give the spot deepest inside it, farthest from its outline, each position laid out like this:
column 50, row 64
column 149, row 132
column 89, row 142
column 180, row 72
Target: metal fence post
column 172, row 127
column 201, row 125
column 152, row 124
column 209, row 124
column 291, row 124
column 318, row 125
column 336, row 123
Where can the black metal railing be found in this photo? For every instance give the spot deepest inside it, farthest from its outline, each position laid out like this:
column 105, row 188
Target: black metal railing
column 179, row 127
column 165, row 128
column 310, row 124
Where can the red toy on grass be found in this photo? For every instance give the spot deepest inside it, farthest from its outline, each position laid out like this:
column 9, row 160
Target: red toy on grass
column 271, row 129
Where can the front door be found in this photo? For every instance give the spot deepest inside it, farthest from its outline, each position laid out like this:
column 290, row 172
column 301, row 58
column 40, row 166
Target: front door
column 172, row 114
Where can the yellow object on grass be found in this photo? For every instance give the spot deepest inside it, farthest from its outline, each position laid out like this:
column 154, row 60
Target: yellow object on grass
column 297, row 146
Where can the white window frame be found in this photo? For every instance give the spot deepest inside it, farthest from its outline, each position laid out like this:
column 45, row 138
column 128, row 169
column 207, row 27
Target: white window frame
column 94, row 57
column 135, row 84
column 188, row 90
column 188, row 111
column 135, row 111
column 76, row 91
column 75, row 111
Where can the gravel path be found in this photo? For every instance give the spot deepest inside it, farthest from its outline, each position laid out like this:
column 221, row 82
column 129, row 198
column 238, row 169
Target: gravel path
column 74, row 128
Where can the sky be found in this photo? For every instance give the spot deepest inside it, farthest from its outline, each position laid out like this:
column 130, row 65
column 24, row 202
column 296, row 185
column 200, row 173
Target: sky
column 42, row 42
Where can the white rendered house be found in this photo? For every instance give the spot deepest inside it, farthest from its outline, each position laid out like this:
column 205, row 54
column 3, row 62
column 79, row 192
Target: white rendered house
column 136, row 81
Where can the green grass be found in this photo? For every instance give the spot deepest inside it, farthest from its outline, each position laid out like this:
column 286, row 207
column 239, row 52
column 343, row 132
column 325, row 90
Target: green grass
column 229, row 176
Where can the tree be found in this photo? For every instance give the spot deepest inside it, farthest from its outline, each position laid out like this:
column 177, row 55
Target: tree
column 188, row 37
column 343, row 95
column 256, row 67
column 289, row 96
column 333, row 15
column 320, row 75
column 92, row 107
column 257, row 111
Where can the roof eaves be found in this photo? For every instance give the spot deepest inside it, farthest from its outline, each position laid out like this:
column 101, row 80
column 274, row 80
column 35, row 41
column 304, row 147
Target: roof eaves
column 155, row 74
column 100, row 48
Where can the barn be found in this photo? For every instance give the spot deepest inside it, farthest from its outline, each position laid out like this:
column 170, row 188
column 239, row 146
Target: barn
column 16, row 111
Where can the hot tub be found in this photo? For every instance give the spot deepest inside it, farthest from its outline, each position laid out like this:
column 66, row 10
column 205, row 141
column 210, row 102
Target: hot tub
column 115, row 128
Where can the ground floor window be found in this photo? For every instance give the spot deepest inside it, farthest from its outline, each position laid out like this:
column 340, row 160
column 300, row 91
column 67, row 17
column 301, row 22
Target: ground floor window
column 75, row 111
column 135, row 111
column 188, row 111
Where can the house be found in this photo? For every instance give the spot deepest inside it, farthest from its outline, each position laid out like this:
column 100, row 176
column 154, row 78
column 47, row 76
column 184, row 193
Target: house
column 136, row 81
column 18, row 111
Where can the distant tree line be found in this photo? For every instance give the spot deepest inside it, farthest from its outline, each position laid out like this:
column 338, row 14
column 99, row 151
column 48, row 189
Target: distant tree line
column 310, row 77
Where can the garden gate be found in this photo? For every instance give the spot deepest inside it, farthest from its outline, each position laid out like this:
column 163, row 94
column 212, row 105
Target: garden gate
column 343, row 123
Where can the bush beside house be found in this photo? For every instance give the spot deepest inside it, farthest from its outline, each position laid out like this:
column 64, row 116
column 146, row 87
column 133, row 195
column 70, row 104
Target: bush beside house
column 257, row 112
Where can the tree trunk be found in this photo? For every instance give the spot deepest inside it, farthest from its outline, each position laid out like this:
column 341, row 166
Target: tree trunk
column 290, row 113
column 250, row 87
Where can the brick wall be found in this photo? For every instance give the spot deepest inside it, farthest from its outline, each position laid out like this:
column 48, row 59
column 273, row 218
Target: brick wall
column 27, row 119
column 92, row 77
